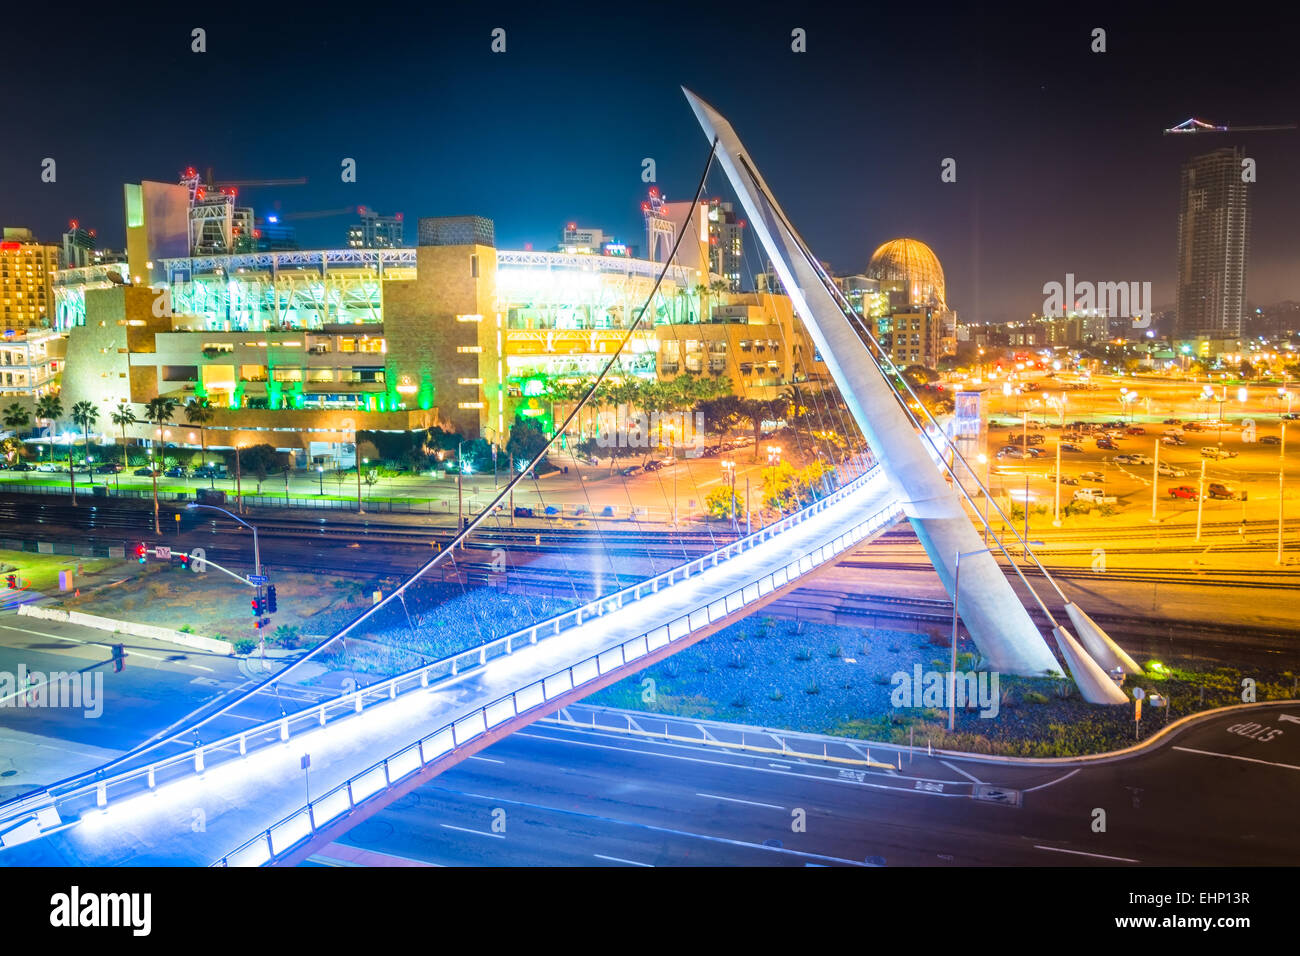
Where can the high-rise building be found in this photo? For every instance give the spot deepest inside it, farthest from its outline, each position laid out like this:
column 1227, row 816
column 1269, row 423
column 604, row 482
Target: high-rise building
column 78, row 247
column 26, row 270
column 1213, row 223
column 714, row 240
column 272, row 235
column 375, row 231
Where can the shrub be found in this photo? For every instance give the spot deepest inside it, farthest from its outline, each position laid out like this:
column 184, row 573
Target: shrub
column 803, row 654
column 836, row 651
column 776, row 695
column 244, row 645
column 882, row 679
column 1034, row 697
column 185, row 629
column 894, row 648
column 740, row 703
column 812, row 688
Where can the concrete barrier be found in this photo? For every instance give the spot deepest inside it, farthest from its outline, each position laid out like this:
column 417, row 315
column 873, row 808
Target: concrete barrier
column 165, row 634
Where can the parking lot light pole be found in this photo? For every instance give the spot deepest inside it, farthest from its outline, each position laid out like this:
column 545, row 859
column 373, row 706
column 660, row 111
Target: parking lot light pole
column 1200, row 500
column 1281, row 477
column 1155, row 477
column 1056, row 522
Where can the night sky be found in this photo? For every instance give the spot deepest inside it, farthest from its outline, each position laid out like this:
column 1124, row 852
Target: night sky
column 1061, row 165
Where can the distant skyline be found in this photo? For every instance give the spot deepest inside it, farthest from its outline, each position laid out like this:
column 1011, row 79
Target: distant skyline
column 1061, row 165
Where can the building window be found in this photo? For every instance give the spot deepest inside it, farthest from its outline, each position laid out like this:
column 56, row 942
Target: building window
column 469, row 349
column 473, row 266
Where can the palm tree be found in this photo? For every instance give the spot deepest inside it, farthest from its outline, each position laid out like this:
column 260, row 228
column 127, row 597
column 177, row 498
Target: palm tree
column 198, row 412
column 122, row 416
column 49, row 409
column 85, row 414
column 158, row 412
column 17, row 417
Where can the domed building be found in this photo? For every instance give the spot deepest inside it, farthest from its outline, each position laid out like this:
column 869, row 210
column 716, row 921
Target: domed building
column 913, row 264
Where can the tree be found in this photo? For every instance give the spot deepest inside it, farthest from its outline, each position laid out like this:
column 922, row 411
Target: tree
column 526, row 442
column 121, row 417
column 158, row 412
column 199, row 413
column 49, row 409
column 85, row 414
column 723, row 502
column 17, row 417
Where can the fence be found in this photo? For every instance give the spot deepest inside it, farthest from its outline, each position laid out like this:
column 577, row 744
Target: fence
column 282, row 836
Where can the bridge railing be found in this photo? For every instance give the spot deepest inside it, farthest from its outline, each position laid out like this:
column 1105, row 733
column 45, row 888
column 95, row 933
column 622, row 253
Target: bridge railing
column 282, row 837
column 90, row 791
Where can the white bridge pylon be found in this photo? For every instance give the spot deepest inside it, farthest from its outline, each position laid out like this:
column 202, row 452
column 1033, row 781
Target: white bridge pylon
column 997, row 621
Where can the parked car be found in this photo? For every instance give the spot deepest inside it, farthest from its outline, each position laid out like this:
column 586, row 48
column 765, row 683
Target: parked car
column 630, row 470
column 1166, row 470
column 209, row 471
column 1107, row 444
column 1186, row 492
column 1215, row 452
column 108, row 468
column 522, row 512
column 1066, row 446
column 1136, row 430
column 1173, row 421
column 1094, row 496
column 1062, row 479
column 1291, row 416
column 1172, row 440
column 1013, row 453
column 1093, row 476
column 1134, row 460
column 1270, row 440
column 176, row 471
column 653, row 465
column 21, row 466
column 1219, row 490
column 1035, row 452
column 148, row 472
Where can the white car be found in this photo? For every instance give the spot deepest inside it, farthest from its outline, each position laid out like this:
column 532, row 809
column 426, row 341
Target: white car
column 1214, row 451
column 1134, row 460
column 1169, row 471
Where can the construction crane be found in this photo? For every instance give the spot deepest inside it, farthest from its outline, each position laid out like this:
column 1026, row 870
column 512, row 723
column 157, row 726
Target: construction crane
column 1194, row 125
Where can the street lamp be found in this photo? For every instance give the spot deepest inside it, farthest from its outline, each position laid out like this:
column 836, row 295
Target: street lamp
column 320, row 477
column 983, row 459
column 257, row 554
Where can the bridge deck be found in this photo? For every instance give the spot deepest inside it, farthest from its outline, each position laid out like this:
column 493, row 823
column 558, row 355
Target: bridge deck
column 199, row 818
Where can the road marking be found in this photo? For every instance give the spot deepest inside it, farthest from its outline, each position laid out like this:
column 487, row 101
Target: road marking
column 1057, row 780
column 960, row 771
column 73, row 640
column 650, row 826
column 495, row 836
column 714, row 796
column 485, row 759
column 615, row 859
column 1211, row 753
column 1099, row 856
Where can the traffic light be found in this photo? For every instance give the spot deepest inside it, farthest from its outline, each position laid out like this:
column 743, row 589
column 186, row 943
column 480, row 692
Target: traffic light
column 11, row 582
column 257, row 606
column 119, row 658
column 270, row 599
column 141, row 550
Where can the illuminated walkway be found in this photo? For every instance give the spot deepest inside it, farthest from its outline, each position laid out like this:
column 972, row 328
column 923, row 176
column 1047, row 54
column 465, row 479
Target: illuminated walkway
column 214, row 804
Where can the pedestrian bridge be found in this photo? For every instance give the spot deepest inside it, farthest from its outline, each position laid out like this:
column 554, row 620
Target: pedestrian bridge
column 275, row 791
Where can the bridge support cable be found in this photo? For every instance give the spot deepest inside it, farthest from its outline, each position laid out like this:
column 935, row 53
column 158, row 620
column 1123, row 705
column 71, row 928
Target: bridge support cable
column 461, row 535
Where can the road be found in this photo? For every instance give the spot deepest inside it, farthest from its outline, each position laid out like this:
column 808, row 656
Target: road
column 556, row 795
